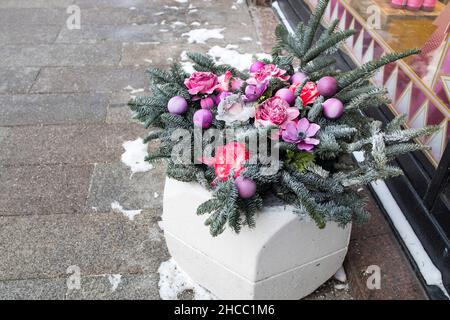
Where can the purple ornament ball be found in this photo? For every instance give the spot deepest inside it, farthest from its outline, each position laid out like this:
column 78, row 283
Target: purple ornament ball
column 327, row 86
column 286, row 95
column 177, row 105
column 203, row 118
column 207, row 103
column 246, row 187
column 298, row 78
column 333, row 108
column 256, row 66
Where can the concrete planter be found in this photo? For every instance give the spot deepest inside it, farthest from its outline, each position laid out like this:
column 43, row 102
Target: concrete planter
column 284, row 257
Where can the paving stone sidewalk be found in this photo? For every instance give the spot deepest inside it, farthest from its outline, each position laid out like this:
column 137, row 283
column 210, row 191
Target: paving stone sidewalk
column 63, row 120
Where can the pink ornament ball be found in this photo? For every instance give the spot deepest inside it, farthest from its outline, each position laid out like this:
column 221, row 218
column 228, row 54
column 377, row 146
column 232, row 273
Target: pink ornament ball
column 207, row 103
column 333, row 108
column 203, row 118
column 298, row 78
column 246, row 187
column 286, row 95
column 256, row 66
column 177, row 105
column 327, row 86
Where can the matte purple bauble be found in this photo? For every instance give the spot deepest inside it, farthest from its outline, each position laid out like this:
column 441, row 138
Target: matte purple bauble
column 298, row 78
column 327, row 86
column 286, row 95
column 333, row 108
column 207, row 103
column 177, row 105
column 246, row 187
column 256, row 66
column 203, row 118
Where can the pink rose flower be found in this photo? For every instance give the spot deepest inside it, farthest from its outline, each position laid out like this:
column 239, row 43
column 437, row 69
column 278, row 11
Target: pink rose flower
column 266, row 73
column 275, row 111
column 201, row 82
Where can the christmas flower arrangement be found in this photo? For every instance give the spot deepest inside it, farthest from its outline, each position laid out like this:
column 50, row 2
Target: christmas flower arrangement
column 305, row 115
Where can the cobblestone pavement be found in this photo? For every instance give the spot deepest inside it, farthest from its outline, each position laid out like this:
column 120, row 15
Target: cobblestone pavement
column 63, row 120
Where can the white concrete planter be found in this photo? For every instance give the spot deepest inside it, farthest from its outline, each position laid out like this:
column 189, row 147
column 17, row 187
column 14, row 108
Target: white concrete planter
column 284, row 257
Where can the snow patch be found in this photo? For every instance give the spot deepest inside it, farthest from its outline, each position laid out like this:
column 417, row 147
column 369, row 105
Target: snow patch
column 196, row 24
column 134, row 156
column 161, row 225
column 228, row 55
column 340, row 275
column 155, row 195
column 341, row 287
column 202, row 35
column 192, row 11
column 181, row 1
column 187, row 65
column 247, row 39
column 173, row 281
column 114, row 280
column 130, row 214
column 178, row 24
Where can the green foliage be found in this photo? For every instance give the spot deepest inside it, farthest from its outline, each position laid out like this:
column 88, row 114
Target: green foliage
column 299, row 160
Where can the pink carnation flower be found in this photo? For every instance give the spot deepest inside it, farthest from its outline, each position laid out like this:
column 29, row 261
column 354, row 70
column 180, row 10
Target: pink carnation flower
column 301, row 134
column 275, row 111
column 266, row 73
column 201, row 82
column 231, row 156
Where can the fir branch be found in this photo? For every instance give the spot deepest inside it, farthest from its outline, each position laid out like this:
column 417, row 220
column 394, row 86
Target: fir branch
column 326, row 44
column 313, row 25
column 365, row 71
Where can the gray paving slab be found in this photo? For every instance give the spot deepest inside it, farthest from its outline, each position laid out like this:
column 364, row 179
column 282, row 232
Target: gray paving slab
column 74, row 144
column 35, row 3
column 35, row 109
column 113, row 182
column 17, row 80
column 60, row 55
column 33, row 289
column 28, row 34
column 33, row 16
column 88, row 79
column 41, row 190
column 44, row 246
column 111, row 287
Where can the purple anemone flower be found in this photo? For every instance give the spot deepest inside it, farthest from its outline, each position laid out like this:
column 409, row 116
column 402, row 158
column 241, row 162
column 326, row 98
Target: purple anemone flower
column 301, row 133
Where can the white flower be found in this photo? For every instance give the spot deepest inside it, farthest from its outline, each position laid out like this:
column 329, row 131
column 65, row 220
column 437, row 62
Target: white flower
column 233, row 108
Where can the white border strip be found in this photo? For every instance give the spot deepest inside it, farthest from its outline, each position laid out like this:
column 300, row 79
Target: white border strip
column 429, row 272
column 282, row 16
